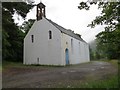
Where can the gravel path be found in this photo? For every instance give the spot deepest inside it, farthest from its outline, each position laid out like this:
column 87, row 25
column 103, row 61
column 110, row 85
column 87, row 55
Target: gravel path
column 42, row 77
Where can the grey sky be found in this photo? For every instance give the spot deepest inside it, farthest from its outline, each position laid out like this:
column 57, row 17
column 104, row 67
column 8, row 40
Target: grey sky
column 66, row 14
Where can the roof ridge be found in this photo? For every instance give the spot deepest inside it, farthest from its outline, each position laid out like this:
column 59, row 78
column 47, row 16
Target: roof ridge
column 56, row 23
column 66, row 31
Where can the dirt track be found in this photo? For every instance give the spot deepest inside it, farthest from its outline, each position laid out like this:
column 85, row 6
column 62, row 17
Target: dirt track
column 43, row 76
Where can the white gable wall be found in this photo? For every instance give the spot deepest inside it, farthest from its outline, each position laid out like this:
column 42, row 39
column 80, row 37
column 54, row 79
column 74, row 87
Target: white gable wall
column 43, row 50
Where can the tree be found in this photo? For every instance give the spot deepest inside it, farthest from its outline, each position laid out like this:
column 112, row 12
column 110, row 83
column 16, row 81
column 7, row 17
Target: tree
column 108, row 40
column 110, row 15
column 108, row 43
column 12, row 41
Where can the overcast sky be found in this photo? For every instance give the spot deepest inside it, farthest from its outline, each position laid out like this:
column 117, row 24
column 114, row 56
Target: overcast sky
column 67, row 14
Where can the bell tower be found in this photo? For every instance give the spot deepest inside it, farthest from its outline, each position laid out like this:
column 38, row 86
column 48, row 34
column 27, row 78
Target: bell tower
column 40, row 11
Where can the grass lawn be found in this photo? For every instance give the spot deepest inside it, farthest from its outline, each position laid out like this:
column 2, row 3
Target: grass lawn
column 110, row 82
column 114, row 62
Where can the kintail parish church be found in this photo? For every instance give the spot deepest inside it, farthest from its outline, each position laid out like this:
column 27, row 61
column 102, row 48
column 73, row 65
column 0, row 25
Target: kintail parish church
column 48, row 43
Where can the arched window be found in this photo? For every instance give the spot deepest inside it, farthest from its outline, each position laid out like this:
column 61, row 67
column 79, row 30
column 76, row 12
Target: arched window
column 50, row 34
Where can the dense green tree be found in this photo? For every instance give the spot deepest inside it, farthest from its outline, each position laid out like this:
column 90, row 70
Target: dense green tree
column 12, row 41
column 108, row 41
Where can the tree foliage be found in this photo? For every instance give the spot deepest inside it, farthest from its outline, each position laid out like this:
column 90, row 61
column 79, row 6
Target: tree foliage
column 110, row 14
column 12, row 37
column 108, row 41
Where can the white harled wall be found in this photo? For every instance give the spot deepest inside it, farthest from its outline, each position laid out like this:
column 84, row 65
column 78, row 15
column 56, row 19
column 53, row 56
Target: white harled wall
column 52, row 51
column 43, row 50
column 78, row 54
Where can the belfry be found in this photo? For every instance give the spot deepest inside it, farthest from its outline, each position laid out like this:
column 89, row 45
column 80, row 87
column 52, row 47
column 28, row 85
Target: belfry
column 40, row 11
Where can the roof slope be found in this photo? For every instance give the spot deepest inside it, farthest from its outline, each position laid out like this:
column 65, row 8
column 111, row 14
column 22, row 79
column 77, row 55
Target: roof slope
column 67, row 31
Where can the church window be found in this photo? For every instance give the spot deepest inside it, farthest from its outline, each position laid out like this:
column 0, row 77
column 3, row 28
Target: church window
column 72, row 45
column 32, row 38
column 79, row 47
column 50, row 34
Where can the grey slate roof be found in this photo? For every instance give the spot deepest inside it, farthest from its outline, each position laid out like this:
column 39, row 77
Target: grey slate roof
column 67, row 31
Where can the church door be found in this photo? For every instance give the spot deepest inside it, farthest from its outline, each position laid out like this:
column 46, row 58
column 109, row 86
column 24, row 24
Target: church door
column 67, row 56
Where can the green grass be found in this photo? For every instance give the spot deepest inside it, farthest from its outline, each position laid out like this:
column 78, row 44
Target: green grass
column 112, row 82
column 7, row 64
column 113, row 62
column 10, row 63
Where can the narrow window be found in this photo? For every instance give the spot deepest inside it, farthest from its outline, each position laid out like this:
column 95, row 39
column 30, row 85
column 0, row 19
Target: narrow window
column 79, row 47
column 72, row 45
column 50, row 34
column 32, row 38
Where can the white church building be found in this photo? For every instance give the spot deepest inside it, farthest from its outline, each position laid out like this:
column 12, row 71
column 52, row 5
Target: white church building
column 48, row 43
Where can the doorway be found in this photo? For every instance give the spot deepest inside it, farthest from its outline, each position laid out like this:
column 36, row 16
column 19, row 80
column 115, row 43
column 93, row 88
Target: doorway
column 67, row 56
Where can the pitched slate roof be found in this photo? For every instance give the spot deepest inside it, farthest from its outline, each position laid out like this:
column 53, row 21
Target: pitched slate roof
column 67, row 31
